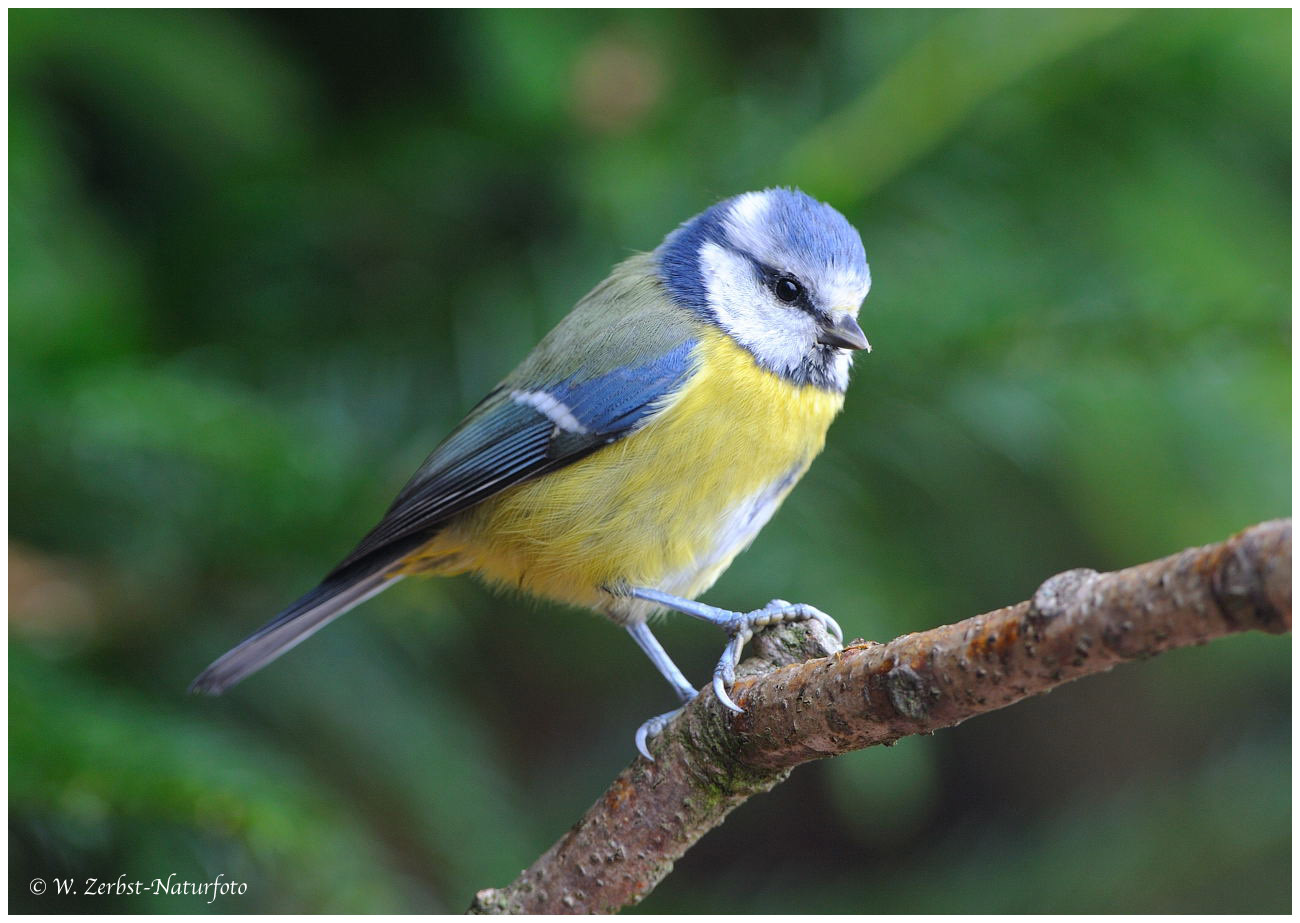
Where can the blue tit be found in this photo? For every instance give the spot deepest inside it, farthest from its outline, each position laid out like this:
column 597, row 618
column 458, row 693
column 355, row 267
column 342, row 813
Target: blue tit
column 641, row 445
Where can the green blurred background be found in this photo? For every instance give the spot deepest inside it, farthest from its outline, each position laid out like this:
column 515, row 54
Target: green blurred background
column 261, row 262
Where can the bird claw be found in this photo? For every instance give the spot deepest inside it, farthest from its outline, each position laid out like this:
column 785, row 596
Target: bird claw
column 742, row 627
column 724, row 674
column 653, row 728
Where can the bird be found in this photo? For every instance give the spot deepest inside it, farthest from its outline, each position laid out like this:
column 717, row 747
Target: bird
column 640, row 446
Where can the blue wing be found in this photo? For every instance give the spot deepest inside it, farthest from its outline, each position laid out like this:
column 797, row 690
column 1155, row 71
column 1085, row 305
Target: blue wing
column 516, row 434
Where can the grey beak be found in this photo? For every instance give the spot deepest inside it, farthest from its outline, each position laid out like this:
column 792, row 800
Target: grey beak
column 844, row 333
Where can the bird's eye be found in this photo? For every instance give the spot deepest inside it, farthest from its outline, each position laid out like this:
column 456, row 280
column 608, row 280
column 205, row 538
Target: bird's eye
column 787, row 290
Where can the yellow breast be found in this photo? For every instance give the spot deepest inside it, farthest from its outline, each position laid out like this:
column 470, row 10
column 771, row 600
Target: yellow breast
column 667, row 507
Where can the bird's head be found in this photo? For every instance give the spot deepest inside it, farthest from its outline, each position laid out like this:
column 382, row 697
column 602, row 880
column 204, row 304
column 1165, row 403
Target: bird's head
column 782, row 274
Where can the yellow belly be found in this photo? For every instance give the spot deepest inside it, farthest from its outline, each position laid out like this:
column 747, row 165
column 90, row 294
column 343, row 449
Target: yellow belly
column 668, row 507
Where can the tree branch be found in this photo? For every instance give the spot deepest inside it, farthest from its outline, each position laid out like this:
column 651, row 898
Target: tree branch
column 708, row 761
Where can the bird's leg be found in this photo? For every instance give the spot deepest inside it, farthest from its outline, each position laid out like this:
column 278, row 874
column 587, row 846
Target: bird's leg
column 640, row 633
column 740, row 626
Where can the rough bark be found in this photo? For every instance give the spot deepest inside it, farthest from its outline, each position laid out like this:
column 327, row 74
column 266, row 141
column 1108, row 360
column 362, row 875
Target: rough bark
column 708, row 761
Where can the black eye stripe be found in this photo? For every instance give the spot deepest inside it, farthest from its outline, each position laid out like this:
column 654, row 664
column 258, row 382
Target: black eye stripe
column 787, row 289
column 771, row 277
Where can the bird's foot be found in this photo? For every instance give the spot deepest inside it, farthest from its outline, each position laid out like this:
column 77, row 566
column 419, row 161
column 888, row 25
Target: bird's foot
column 741, row 627
column 652, row 728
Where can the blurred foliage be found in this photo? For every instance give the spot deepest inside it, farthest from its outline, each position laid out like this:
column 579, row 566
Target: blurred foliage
column 260, row 262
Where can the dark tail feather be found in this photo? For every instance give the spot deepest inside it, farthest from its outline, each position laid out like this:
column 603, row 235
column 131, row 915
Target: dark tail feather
column 312, row 612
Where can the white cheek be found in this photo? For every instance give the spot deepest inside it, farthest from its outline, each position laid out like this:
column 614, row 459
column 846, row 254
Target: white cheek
column 780, row 337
